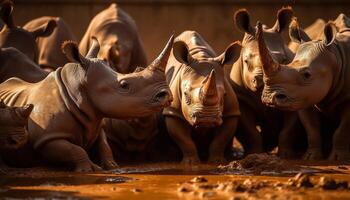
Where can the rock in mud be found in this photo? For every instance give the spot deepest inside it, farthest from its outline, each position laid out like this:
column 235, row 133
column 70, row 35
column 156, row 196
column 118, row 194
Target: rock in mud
column 328, row 183
column 199, row 179
column 257, row 163
column 301, row 180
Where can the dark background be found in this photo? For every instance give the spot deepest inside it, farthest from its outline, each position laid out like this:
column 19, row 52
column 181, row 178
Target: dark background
column 157, row 19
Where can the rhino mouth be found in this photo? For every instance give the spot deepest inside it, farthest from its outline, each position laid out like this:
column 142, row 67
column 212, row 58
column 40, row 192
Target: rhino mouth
column 209, row 116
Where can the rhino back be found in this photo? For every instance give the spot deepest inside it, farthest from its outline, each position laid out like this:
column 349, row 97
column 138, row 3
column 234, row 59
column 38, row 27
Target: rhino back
column 50, row 54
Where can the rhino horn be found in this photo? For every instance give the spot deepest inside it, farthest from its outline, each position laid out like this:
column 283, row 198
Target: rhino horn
column 161, row 61
column 25, row 110
column 268, row 64
column 94, row 49
column 209, row 91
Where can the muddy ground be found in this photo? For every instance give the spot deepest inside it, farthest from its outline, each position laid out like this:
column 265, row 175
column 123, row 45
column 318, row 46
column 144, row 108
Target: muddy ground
column 256, row 177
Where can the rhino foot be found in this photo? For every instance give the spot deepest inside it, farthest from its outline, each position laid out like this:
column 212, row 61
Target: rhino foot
column 87, row 167
column 339, row 155
column 313, row 154
column 109, row 164
column 190, row 160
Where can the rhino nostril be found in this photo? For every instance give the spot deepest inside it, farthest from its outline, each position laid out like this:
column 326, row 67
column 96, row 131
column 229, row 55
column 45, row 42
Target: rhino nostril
column 281, row 97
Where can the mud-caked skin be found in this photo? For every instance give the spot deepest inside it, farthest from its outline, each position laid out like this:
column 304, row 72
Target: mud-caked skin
column 14, row 63
column 319, row 76
column 15, row 36
column 50, row 56
column 71, row 102
column 203, row 116
column 260, row 127
column 13, row 123
column 121, row 46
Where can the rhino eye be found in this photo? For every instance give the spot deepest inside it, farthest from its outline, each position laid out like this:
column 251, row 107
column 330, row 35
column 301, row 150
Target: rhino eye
column 123, row 84
column 306, row 75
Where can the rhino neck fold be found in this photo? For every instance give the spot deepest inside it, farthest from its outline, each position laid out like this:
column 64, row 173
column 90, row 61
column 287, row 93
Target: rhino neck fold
column 338, row 78
column 77, row 102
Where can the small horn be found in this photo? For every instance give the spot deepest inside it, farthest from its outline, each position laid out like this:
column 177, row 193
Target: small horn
column 209, row 93
column 94, row 49
column 25, row 110
column 160, row 62
column 268, row 64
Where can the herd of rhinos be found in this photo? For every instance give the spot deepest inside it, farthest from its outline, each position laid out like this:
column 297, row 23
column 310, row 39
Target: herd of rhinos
column 86, row 106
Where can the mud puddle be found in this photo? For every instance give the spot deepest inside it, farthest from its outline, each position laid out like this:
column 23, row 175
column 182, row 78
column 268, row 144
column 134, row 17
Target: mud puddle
column 244, row 179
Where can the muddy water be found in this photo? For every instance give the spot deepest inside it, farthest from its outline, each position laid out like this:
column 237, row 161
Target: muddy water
column 169, row 181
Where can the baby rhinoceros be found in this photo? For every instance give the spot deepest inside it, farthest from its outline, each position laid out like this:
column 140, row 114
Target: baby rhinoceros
column 319, row 76
column 71, row 102
column 204, row 111
column 13, row 122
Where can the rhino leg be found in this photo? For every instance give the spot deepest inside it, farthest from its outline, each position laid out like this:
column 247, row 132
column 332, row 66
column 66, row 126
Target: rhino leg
column 180, row 132
column 248, row 134
column 105, row 152
column 341, row 144
column 63, row 151
column 310, row 119
column 285, row 147
column 222, row 139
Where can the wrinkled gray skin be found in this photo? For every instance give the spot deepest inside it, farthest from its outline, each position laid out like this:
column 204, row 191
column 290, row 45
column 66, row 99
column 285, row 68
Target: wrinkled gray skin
column 203, row 116
column 66, row 124
column 121, row 46
column 319, row 76
column 261, row 128
column 13, row 124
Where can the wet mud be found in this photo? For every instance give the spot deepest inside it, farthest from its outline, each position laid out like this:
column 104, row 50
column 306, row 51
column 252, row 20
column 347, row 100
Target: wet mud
column 261, row 176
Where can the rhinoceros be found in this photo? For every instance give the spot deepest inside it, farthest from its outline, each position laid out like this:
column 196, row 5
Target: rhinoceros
column 312, row 31
column 50, row 56
column 318, row 76
column 71, row 102
column 14, row 63
column 15, row 36
column 260, row 128
column 121, row 45
column 13, row 123
column 203, row 116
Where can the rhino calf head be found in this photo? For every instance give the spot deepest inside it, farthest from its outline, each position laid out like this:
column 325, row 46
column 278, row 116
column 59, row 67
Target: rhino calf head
column 252, row 73
column 116, row 95
column 15, row 36
column 13, row 122
column 202, row 85
column 307, row 79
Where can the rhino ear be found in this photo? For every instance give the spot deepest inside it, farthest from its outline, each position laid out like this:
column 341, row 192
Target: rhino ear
column 181, row 52
column 6, row 13
column 241, row 19
column 45, row 29
column 230, row 55
column 330, row 32
column 71, row 50
column 296, row 34
column 284, row 17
